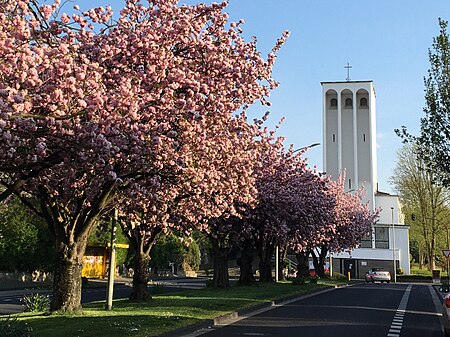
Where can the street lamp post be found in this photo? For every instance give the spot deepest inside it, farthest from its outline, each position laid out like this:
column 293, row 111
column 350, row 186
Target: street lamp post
column 306, row 147
column 112, row 263
column 393, row 245
column 331, row 263
column 277, row 258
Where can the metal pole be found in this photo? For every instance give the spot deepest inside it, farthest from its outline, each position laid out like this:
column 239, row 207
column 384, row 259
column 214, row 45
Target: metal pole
column 448, row 276
column 331, row 264
column 276, row 263
column 112, row 263
column 393, row 246
column 448, row 261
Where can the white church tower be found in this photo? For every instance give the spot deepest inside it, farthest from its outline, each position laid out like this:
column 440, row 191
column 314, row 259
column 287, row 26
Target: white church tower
column 349, row 129
column 349, row 139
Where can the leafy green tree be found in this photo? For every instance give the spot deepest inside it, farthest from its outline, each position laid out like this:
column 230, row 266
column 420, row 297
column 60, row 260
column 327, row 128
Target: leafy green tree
column 101, row 236
column 434, row 139
column 433, row 144
column 423, row 197
column 25, row 240
column 169, row 248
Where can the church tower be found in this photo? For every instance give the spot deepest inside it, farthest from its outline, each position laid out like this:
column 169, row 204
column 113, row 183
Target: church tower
column 349, row 134
column 349, row 143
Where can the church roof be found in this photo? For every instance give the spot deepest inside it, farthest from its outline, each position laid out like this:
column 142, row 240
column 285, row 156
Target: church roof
column 332, row 82
column 380, row 193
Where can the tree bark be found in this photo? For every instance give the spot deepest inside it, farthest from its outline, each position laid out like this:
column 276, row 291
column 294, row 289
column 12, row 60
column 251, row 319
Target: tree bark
column 140, row 292
column 221, row 278
column 142, row 243
column 71, row 232
column 245, row 263
column 421, row 259
column 265, row 271
column 265, row 262
column 67, row 277
column 303, row 264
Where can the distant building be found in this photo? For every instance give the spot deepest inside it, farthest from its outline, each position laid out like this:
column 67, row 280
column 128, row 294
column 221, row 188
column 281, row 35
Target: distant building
column 349, row 138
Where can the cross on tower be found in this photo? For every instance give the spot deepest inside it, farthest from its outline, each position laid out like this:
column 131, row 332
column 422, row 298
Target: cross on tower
column 348, row 66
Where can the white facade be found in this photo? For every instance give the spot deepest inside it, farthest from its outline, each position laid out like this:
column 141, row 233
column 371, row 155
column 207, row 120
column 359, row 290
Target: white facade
column 349, row 138
column 349, row 134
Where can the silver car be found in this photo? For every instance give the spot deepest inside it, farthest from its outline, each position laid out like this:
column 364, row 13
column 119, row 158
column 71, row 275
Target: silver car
column 378, row 274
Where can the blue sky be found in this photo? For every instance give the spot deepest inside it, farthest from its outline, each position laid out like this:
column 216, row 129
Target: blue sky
column 384, row 41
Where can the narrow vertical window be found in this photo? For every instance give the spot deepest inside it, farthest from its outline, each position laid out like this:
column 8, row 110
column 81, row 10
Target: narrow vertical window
column 349, row 183
column 364, row 137
column 348, row 103
column 333, row 102
column 334, row 138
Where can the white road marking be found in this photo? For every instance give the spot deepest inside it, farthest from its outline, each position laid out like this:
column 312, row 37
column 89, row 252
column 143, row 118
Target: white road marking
column 437, row 305
column 397, row 321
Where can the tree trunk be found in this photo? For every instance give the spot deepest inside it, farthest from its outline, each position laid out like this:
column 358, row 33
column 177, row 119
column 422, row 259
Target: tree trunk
column 319, row 261
column 140, row 292
column 430, row 256
column 265, row 270
column 303, row 264
column 245, row 263
column 221, row 277
column 316, row 263
column 265, row 262
column 421, row 259
column 67, row 277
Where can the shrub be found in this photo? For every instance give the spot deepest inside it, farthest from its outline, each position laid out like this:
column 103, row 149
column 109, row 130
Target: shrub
column 169, row 248
column 313, row 280
column 400, row 271
column 299, row 281
column 339, row 277
column 12, row 327
column 36, row 302
column 26, row 243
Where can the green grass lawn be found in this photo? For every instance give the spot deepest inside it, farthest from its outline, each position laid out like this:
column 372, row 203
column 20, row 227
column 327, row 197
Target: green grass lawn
column 163, row 313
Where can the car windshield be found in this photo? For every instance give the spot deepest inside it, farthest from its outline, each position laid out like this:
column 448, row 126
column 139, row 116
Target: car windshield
column 377, row 269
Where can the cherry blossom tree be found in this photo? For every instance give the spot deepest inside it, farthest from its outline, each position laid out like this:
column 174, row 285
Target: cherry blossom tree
column 312, row 207
column 95, row 111
column 291, row 203
column 352, row 220
column 205, row 202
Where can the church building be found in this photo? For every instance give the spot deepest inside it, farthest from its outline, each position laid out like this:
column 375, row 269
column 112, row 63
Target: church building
column 349, row 139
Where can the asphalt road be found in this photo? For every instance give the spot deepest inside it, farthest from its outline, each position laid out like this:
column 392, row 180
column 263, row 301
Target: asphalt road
column 11, row 300
column 378, row 310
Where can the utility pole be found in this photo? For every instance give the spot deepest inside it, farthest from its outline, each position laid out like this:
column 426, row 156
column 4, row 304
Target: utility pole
column 276, row 263
column 331, row 263
column 393, row 245
column 112, row 263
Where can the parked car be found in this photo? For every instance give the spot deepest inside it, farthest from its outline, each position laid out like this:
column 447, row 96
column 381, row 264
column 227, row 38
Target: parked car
column 378, row 274
column 446, row 315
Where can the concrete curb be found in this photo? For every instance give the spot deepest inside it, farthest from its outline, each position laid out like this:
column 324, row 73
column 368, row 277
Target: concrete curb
column 235, row 316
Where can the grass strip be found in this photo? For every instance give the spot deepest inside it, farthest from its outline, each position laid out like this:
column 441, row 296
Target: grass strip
column 163, row 313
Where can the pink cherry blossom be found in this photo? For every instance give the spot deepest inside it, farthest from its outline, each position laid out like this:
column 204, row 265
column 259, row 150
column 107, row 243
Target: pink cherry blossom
column 146, row 113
